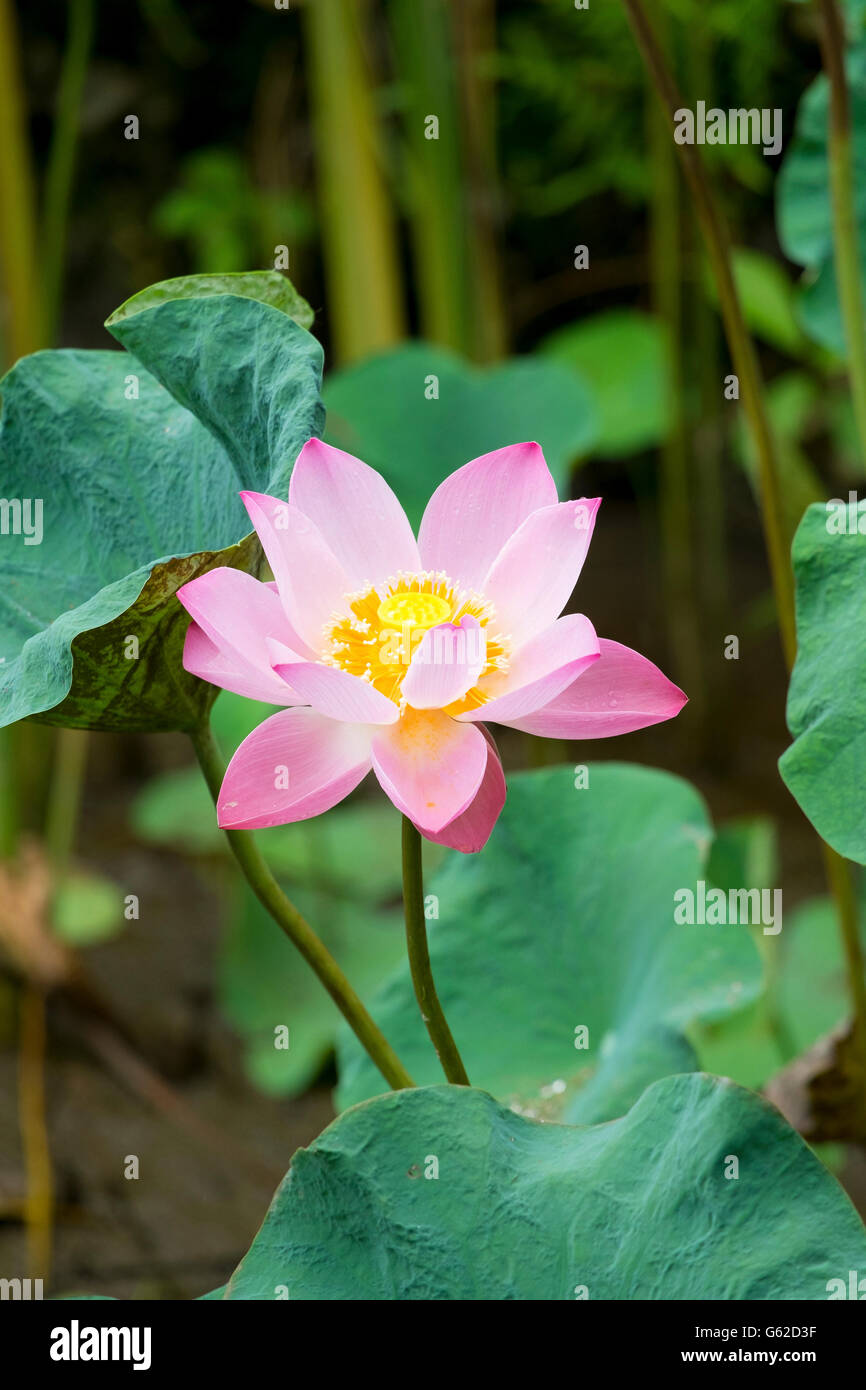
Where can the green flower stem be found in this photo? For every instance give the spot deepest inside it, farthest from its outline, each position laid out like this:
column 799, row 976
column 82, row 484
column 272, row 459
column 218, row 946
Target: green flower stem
column 64, row 799
column 676, row 476
column 355, row 211
column 61, row 160
column 747, row 367
column 64, row 804
column 474, row 28
column 9, row 790
column 423, row 42
column 32, row 1124
column 419, row 959
column 299, row 932
column 741, row 347
column 18, row 244
column 844, row 216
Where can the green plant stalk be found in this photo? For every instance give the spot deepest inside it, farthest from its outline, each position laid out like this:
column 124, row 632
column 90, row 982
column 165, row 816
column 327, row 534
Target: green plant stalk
column 741, row 347
column 300, row 933
column 474, row 30
column 845, row 237
column 360, row 248
column 61, row 160
column 708, row 442
column 675, row 485
column 9, row 799
column 35, row 1144
column 23, row 328
column 419, row 959
column 422, row 34
column 32, row 1124
column 709, row 446
column 64, row 799
column 746, row 364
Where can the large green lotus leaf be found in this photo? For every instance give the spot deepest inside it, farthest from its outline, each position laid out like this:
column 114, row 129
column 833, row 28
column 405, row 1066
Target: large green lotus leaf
column 139, row 496
column 804, row 213
column 269, row 286
column 567, row 920
column 380, row 411
column 823, row 768
column 242, row 366
column 625, row 357
column 642, row 1208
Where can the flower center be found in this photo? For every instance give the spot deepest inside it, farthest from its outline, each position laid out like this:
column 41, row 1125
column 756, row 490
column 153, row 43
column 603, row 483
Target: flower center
column 379, row 633
column 420, row 611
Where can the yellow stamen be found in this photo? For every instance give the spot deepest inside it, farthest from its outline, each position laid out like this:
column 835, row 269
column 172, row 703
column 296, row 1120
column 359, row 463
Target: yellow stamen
column 377, row 637
column 418, row 610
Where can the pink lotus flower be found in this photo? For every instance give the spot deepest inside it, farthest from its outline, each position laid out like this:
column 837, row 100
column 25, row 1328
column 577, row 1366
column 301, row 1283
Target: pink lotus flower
column 388, row 652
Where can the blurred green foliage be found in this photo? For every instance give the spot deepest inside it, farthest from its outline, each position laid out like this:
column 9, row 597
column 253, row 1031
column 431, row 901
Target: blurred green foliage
column 625, row 358
column 225, row 221
column 420, row 412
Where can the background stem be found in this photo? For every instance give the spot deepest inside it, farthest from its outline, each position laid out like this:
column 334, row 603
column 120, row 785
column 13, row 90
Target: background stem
column 23, row 327
column 64, row 799
column 419, row 959
column 296, row 928
column 67, row 784
column 422, row 37
column 39, row 1203
column 9, row 792
column 61, row 160
column 358, row 235
column 675, row 483
column 474, row 38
